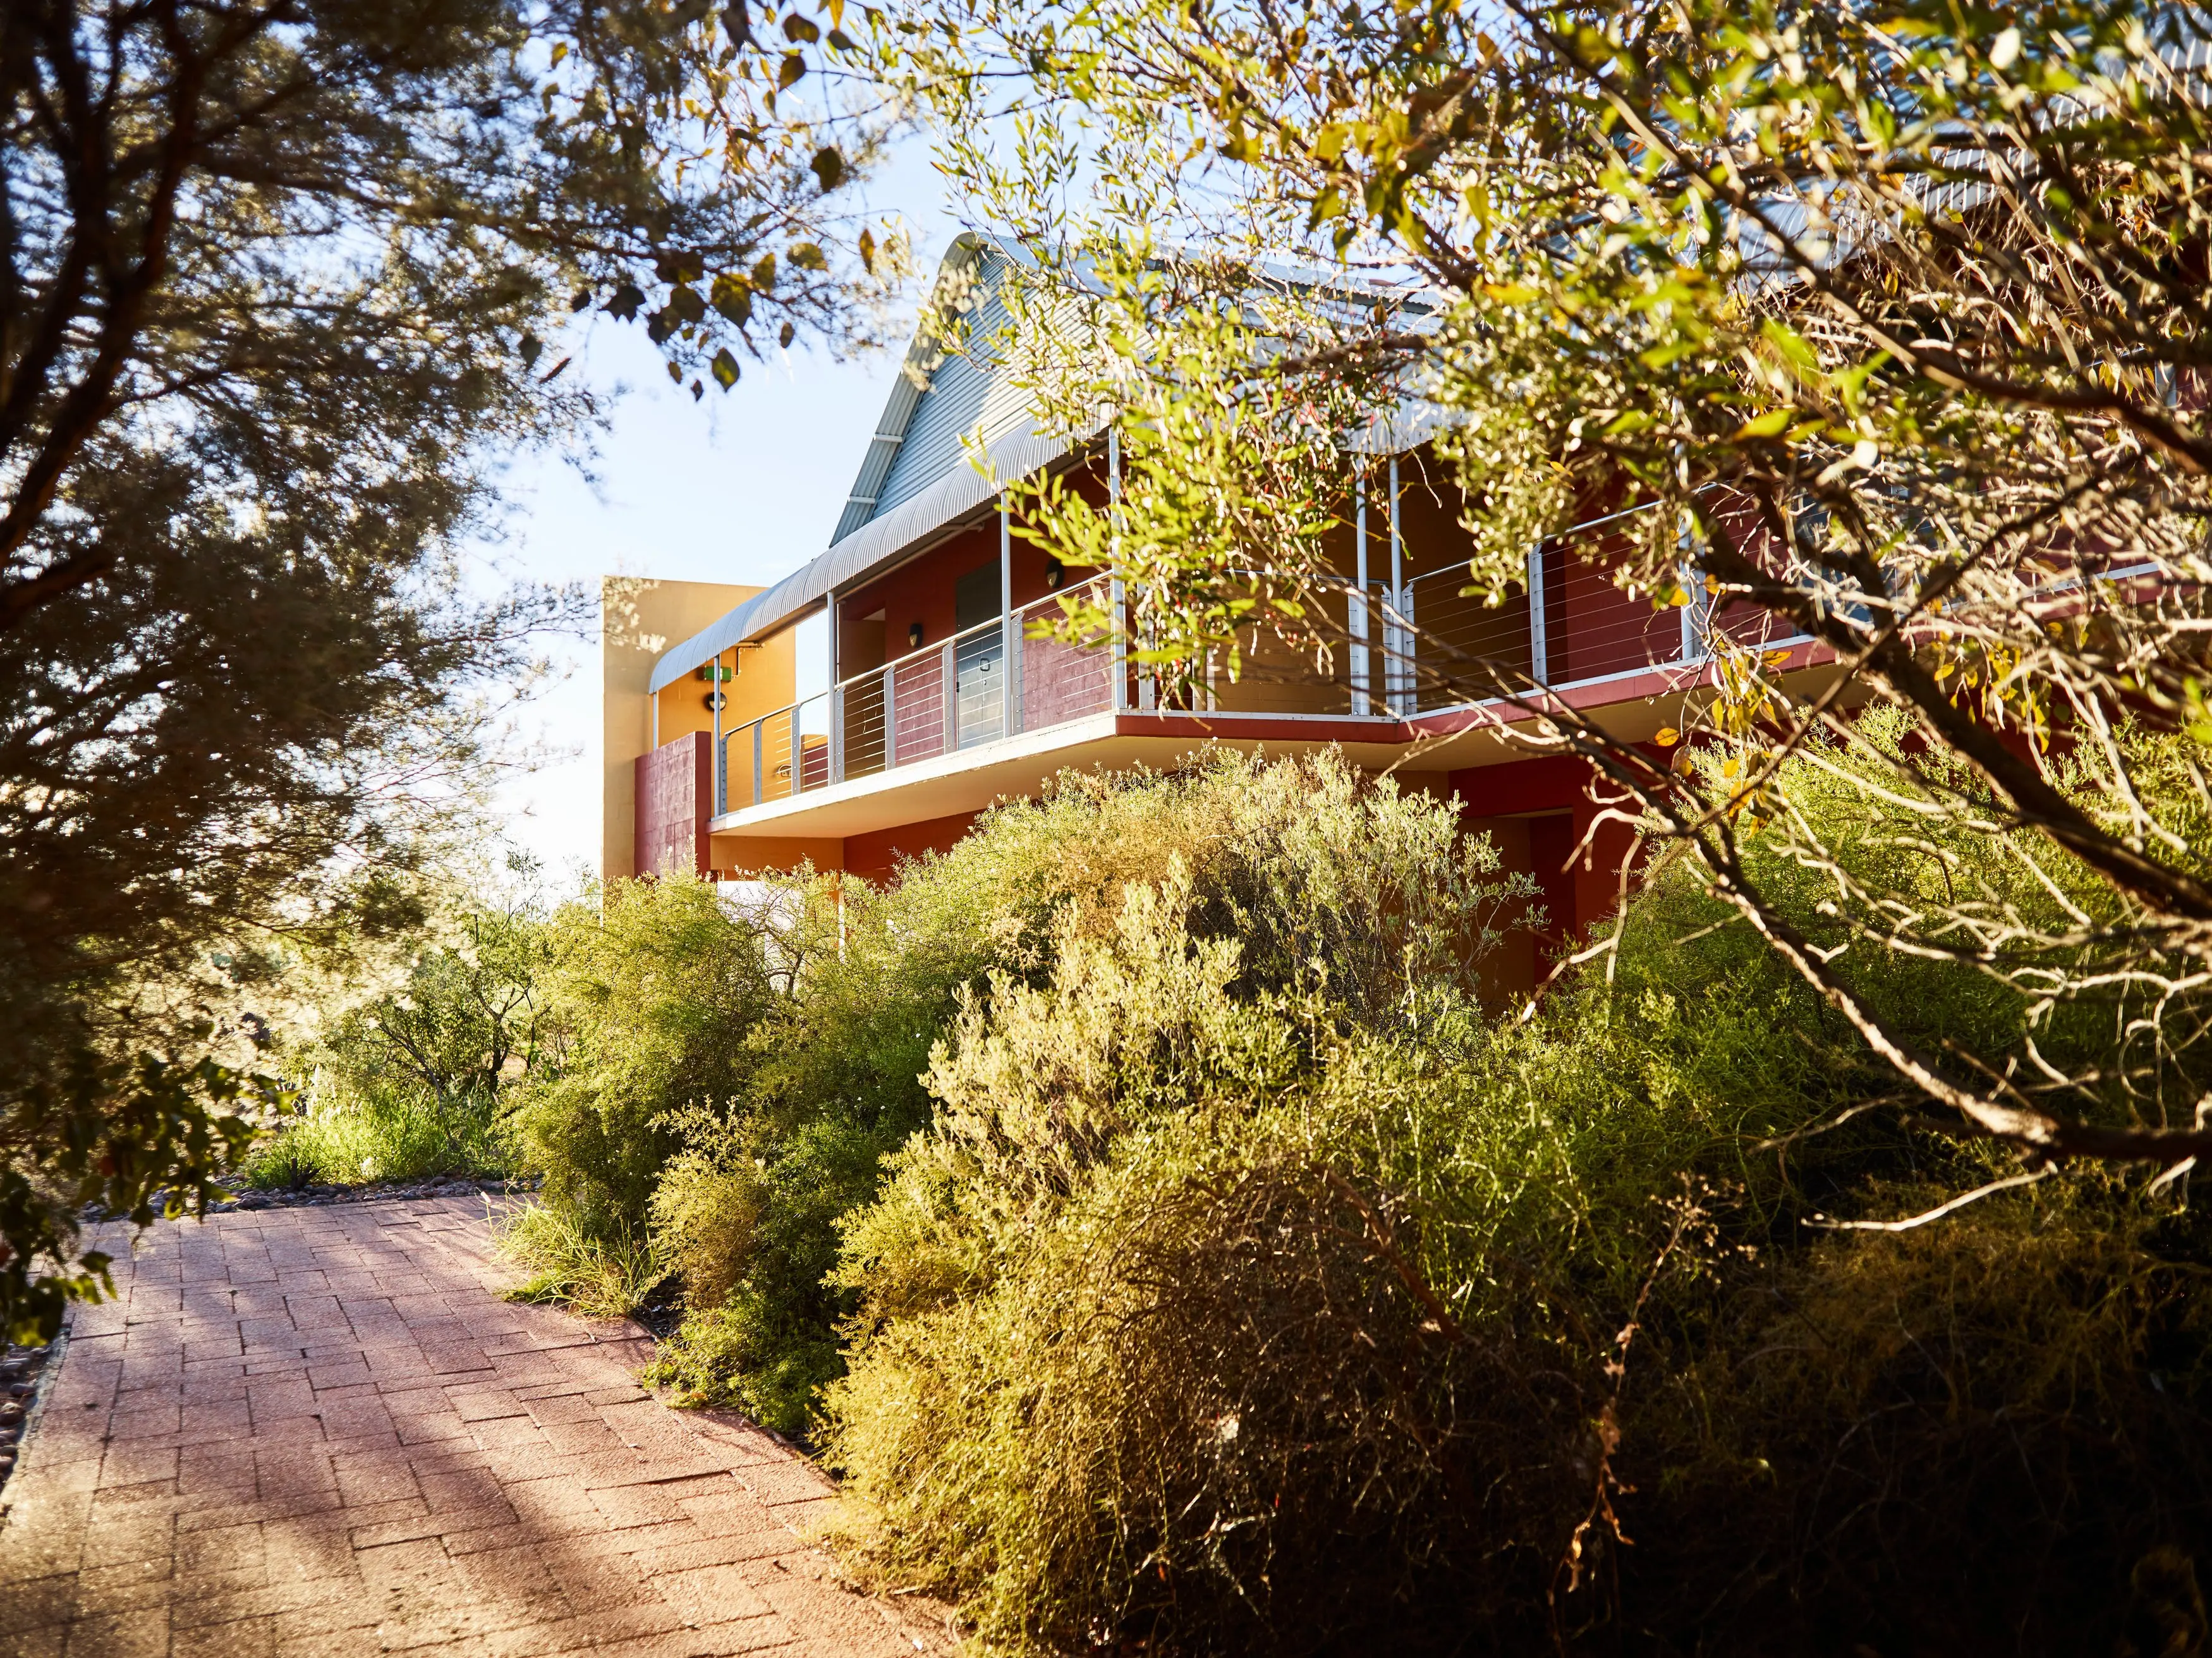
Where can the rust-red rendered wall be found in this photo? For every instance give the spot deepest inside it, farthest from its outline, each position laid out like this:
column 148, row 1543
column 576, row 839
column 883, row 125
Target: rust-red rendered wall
column 675, row 796
column 876, row 856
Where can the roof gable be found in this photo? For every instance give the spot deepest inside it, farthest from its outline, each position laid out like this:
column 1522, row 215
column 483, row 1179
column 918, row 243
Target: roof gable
column 954, row 386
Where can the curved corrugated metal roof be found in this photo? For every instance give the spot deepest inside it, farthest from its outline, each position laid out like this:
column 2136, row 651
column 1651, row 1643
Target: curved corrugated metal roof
column 958, row 493
column 918, row 376
column 918, row 475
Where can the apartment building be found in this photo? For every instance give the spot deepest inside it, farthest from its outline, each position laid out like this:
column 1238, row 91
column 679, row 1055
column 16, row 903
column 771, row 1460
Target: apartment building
column 868, row 708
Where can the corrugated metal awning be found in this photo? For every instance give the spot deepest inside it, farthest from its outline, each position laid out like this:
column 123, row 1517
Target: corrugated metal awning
column 869, row 549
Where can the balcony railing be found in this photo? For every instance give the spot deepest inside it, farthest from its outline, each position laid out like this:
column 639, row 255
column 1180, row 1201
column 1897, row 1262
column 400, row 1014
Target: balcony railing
column 992, row 680
column 1567, row 626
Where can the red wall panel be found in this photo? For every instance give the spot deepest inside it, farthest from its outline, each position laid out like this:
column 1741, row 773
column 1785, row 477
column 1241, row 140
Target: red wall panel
column 675, row 792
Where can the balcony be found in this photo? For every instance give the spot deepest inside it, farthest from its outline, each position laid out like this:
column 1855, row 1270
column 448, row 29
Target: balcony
column 998, row 708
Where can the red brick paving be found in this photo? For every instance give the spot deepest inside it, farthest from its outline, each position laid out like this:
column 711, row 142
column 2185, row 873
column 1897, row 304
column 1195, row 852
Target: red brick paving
column 312, row 1431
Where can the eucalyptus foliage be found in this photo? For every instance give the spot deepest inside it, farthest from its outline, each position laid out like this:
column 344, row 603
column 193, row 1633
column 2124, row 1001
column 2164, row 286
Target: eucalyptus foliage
column 282, row 284
column 1889, row 319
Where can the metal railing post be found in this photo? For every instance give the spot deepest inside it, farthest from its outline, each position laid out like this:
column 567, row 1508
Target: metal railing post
column 951, row 656
column 1117, row 599
column 890, row 715
column 1360, row 662
column 1695, row 619
column 1539, row 668
column 714, row 703
column 1410, row 681
column 1394, row 631
column 1010, row 630
column 757, row 724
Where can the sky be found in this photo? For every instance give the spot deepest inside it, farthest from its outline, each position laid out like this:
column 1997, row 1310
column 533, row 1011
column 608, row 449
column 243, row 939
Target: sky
column 740, row 487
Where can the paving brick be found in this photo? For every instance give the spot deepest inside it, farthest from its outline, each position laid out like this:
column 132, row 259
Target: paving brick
column 318, row 1431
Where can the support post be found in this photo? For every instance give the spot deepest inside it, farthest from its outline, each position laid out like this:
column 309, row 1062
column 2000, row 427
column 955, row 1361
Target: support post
column 1116, row 598
column 1398, row 646
column 1360, row 660
column 1010, row 633
column 715, row 701
column 1539, row 668
column 756, row 761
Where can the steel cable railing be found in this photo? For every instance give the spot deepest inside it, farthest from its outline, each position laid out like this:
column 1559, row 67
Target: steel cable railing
column 932, row 701
column 1566, row 625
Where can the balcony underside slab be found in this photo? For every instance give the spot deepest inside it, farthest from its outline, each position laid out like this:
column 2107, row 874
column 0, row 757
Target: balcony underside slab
column 973, row 778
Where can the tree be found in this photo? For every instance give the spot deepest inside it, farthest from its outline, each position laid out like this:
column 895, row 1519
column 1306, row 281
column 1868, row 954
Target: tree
column 277, row 282
column 1890, row 318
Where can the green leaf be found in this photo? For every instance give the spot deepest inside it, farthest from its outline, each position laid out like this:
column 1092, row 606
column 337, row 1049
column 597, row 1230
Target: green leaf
column 532, row 345
column 866, row 248
column 801, row 28
column 785, row 335
column 1795, row 349
column 808, row 256
column 733, row 299
column 787, row 76
column 1771, row 424
column 829, row 167
column 624, row 302
column 725, row 368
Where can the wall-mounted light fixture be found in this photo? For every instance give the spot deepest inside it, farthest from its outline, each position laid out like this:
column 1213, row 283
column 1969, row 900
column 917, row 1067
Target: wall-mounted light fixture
column 716, row 701
column 913, row 637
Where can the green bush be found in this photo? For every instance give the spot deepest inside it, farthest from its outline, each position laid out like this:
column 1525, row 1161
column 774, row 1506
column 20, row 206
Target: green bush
column 350, row 1137
column 655, row 987
column 412, row 1081
column 597, row 1274
column 1278, row 1301
column 1285, row 859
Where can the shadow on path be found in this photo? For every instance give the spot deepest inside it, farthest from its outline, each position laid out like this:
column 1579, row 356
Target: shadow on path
column 319, row 1432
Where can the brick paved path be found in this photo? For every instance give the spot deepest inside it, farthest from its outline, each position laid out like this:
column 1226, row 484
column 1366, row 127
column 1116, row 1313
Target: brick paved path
column 317, row 1430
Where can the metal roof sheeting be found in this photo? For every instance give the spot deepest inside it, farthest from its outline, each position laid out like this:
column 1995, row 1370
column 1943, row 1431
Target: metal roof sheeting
column 919, row 476
column 877, row 542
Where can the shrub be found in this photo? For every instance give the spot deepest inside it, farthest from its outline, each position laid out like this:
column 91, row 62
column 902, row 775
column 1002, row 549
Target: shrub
column 345, row 1137
column 1305, row 866
column 1282, row 1302
column 411, row 1080
column 601, row 1275
column 656, row 989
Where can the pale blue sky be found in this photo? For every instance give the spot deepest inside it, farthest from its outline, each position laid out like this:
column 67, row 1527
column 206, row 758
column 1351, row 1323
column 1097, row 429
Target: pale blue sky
column 742, row 487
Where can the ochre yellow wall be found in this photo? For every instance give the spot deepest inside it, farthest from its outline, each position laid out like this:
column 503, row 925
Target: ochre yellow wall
column 763, row 682
column 639, row 620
